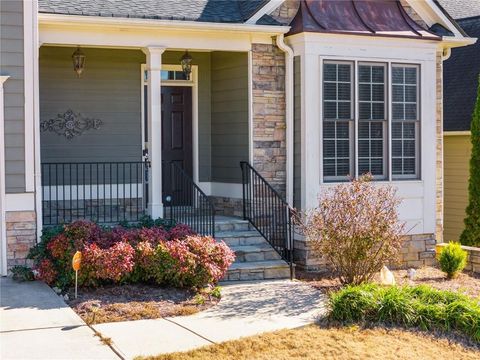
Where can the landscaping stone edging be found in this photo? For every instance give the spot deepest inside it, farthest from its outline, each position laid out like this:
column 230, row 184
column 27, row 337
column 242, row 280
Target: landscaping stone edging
column 473, row 259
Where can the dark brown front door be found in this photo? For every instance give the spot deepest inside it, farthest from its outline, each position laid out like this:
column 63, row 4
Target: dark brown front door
column 176, row 136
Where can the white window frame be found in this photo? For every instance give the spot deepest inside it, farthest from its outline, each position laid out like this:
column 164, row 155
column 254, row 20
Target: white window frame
column 351, row 121
column 385, row 121
column 389, row 176
column 417, row 122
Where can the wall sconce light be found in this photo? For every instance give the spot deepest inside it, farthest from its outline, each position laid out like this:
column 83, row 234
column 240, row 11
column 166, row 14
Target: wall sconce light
column 186, row 62
column 78, row 58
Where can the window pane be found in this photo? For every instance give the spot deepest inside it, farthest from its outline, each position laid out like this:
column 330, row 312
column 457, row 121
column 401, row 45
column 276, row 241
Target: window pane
column 371, row 92
column 371, row 148
column 344, row 91
column 337, row 160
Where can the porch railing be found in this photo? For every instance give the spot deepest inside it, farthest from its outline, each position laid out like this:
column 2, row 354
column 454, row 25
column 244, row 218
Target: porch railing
column 268, row 212
column 105, row 192
column 188, row 204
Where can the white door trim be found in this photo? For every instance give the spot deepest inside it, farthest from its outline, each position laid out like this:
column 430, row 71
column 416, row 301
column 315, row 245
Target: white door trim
column 193, row 83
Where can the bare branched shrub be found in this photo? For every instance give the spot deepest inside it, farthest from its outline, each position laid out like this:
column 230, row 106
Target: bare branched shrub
column 356, row 228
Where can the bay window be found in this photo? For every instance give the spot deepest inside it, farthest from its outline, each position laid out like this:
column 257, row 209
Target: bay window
column 357, row 100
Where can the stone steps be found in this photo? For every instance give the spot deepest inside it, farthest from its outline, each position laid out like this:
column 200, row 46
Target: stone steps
column 255, row 257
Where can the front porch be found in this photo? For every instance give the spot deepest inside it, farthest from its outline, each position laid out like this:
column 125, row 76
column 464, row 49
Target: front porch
column 113, row 150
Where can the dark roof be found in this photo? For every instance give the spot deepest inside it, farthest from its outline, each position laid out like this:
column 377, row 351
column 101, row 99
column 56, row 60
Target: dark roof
column 460, row 9
column 460, row 79
column 361, row 17
column 221, row 11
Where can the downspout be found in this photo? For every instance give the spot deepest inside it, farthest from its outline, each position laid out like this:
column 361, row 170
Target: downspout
column 289, row 107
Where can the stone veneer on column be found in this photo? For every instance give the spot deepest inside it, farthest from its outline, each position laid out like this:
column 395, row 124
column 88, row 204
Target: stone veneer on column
column 21, row 236
column 269, row 127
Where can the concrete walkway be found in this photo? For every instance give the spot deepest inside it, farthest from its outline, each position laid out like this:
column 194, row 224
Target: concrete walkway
column 245, row 309
column 35, row 323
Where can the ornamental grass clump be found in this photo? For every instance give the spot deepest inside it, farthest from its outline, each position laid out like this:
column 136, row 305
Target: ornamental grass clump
column 356, row 229
column 418, row 307
column 452, row 259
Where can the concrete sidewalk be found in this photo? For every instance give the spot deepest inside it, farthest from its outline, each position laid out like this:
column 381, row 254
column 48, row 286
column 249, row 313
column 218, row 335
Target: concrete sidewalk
column 245, row 309
column 35, row 323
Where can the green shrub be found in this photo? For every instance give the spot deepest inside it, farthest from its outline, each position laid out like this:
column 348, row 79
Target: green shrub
column 22, row 273
column 452, row 259
column 419, row 306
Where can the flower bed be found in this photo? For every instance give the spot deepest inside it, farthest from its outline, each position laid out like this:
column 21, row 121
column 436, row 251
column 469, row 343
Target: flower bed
column 152, row 253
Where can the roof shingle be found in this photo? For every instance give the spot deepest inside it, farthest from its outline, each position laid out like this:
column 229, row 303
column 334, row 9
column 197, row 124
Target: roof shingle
column 221, row 11
column 460, row 79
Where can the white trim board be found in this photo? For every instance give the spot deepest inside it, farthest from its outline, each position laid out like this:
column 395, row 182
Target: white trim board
column 93, row 192
column 3, row 225
column 457, row 133
column 30, row 59
column 228, row 190
column 20, row 202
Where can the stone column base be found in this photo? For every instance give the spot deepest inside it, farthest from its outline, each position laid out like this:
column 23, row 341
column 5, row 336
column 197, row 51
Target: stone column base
column 21, row 236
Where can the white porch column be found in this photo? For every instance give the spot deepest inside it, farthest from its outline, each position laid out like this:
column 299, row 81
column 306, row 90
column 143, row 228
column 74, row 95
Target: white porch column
column 154, row 66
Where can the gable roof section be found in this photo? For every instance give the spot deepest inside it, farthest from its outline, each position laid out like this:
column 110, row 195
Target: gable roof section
column 460, row 79
column 358, row 17
column 218, row 11
column 461, row 9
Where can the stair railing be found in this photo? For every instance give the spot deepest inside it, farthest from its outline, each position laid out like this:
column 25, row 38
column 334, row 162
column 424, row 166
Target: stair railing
column 188, row 204
column 268, row 212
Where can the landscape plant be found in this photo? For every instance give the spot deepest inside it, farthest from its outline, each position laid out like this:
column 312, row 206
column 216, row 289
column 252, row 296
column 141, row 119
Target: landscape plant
column 408, row 306
column 356, row 229
column 452, row 259
column 471, row 233
column 171, row 256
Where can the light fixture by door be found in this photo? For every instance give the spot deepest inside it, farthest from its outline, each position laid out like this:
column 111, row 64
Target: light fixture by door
column 78, row 58
column 186, row 62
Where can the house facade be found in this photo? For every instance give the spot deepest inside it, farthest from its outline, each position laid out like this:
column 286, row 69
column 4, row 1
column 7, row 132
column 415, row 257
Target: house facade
column 169, row 96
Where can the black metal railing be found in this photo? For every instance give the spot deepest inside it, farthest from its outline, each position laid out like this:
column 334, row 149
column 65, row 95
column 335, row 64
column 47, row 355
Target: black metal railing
column 268, row 212
column 188, row 204
column 105, row 192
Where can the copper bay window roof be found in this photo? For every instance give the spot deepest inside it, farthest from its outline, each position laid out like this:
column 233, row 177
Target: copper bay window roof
column 358, row 17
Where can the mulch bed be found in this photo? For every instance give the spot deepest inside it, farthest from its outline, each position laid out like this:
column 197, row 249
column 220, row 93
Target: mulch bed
column 466, row 282
column 136, row 302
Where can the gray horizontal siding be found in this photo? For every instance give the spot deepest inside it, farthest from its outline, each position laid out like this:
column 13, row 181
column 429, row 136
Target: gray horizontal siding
column 11, row 64
column 229, row 115
column 109, row 90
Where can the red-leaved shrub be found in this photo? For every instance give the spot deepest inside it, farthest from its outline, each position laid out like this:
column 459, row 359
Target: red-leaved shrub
column 46, row 271
column 177, row 257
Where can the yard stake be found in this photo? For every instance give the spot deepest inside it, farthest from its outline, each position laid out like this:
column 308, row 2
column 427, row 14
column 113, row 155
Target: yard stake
column 76, row 261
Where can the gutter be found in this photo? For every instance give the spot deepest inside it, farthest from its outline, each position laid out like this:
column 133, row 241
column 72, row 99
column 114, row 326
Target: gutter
column 289, row 107
column 116, row 22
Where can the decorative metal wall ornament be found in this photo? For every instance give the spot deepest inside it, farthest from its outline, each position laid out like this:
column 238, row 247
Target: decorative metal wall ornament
column 70, row 124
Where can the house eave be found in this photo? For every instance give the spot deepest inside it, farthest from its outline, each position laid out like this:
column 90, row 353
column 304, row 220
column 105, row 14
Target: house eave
column 78, row 20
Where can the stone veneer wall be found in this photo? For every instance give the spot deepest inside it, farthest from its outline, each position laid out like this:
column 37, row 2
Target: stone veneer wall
column 285, row 13
column 227, row 206
column 269, row 126
column 21, row 236
column 417, row 251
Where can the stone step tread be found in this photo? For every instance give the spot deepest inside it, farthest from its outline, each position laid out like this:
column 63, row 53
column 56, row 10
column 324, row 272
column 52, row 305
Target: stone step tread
column 254, row 265
column 237, row 234
column 230, row 221
column 252, row 248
